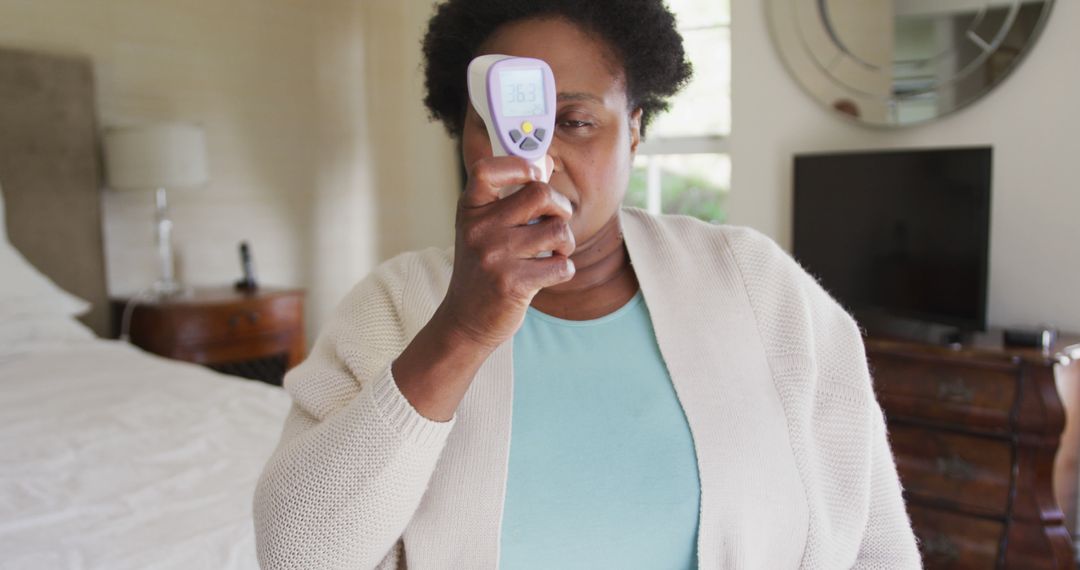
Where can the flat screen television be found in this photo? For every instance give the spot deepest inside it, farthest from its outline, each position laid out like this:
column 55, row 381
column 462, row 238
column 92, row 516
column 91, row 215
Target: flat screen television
column 898, row 235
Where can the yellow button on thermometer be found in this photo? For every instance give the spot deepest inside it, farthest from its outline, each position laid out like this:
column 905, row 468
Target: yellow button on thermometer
column 527, row 127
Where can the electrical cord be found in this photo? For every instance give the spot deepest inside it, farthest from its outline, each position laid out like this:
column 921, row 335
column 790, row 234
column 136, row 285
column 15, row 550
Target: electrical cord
column 143, row 295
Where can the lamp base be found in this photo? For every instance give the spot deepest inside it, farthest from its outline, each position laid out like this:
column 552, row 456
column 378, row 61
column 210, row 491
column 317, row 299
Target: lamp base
column 164, row 289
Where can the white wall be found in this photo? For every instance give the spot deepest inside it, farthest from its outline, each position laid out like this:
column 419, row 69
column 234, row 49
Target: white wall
column 417, row 177
column 1032, row 119
column 286, row 92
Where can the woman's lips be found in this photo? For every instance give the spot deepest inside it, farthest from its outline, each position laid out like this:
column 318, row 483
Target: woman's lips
column 565, row 202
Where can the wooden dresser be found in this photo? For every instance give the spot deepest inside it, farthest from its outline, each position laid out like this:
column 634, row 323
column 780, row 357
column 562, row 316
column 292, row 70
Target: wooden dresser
column 257, row 335
column 979, row 434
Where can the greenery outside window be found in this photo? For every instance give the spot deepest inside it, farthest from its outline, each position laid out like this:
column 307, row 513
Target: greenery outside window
column 683, row 166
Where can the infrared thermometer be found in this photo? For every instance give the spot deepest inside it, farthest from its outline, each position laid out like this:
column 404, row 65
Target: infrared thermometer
column 516, row 98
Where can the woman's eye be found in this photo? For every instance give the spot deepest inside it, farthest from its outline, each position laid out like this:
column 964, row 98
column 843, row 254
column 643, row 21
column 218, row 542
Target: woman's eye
column 576, row 124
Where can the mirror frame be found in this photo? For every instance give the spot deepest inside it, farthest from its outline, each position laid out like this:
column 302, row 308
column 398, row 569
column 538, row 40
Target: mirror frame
column 800, row 32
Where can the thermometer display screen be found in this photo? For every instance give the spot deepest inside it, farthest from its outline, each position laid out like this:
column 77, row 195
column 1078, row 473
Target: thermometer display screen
column 522, row 92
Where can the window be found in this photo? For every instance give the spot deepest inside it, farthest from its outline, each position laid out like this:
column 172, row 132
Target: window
column 683, row 166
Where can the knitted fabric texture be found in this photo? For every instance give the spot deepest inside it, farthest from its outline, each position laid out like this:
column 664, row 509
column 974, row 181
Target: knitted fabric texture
column 794, row 460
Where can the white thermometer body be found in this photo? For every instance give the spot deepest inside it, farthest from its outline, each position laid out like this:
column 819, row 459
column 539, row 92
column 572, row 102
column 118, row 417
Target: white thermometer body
column 515, row 96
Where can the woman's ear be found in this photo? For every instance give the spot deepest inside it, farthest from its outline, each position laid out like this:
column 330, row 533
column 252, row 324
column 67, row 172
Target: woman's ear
column 635, row 130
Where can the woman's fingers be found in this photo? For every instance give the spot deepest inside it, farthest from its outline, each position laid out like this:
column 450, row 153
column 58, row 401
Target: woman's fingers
column 489, row 175
column 546, row 271
column 535, row 200
column 549, row 234
column 496, row 273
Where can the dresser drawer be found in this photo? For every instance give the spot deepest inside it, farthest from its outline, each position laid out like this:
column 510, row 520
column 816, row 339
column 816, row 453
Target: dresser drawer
column 236, row 320
column 970, row 472
column 959, row 393
column 952, row 541
column 244, row 349
column 256, row 334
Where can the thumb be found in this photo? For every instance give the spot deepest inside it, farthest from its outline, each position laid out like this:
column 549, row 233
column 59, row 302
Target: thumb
column 549, row 167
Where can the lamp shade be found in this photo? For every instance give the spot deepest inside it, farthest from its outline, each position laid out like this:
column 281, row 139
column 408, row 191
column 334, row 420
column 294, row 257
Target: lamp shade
column 167, row 155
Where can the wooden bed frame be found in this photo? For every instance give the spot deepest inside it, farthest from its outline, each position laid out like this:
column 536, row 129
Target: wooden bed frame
column 50, row 172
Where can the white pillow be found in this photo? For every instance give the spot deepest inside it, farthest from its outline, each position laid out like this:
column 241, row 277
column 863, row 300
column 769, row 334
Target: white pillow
column 41, row 330
column 25, row 291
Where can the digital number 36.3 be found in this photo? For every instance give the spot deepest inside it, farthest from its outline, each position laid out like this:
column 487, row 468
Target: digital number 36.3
column 522, row 93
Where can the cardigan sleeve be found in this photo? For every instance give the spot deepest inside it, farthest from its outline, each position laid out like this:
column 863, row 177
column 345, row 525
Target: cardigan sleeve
column 888, row 541
column 354, row 457
column 818, row 361
column 885, row 540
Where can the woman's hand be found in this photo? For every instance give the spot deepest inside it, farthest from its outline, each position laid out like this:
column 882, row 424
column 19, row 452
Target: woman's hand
column 496, row 271
column 496, row 275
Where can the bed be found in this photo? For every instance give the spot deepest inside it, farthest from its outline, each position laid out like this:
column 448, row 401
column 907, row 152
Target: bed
column 110, row 457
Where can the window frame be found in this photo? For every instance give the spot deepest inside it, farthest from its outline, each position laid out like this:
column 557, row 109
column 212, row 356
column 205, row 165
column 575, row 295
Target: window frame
column 715, row 144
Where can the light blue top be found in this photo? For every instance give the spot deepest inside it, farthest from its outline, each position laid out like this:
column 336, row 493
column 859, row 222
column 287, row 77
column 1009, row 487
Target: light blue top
column 602, row 467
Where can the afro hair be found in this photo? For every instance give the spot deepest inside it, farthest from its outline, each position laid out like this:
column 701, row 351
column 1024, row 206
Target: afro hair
column 641, row 33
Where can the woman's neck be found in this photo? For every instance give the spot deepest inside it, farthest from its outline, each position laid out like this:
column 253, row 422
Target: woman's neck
column 604, row 279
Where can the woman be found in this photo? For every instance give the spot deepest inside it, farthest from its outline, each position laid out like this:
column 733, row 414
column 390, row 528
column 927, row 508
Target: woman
column 659, row 393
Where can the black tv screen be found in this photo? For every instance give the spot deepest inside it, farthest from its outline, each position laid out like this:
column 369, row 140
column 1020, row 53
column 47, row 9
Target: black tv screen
column 902, row 234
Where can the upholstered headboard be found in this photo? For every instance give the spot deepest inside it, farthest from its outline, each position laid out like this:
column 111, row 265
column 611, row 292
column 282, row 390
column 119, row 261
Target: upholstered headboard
column 49, row 171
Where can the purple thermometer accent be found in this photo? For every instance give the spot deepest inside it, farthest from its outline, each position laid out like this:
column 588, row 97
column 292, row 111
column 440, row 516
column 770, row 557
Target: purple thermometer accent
column 521, row 97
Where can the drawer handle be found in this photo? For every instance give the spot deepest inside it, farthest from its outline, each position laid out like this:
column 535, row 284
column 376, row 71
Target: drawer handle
column 939, row 546
column 955, row 467
column 955, row 390
column 251, row 316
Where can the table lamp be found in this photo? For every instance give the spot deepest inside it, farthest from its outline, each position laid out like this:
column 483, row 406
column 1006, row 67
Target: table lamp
column 156, row 157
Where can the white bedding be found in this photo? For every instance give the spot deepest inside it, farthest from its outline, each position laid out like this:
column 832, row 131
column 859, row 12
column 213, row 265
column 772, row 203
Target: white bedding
column 111, row 457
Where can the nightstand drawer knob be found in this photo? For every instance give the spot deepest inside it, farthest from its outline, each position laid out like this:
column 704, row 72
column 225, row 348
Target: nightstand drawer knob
column 956, row 390
column 954, row 467
column 939, row 546
column 251, row 316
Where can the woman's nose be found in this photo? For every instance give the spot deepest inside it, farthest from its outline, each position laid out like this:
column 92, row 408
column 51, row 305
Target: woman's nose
column 553, row 152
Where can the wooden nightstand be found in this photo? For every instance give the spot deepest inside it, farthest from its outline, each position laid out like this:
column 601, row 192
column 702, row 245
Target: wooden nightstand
column 257, row 335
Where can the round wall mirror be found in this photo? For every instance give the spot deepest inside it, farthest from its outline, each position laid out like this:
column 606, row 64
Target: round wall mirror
column 901, row 62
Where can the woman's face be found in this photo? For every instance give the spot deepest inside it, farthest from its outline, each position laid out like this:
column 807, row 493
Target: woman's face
column 596, row 134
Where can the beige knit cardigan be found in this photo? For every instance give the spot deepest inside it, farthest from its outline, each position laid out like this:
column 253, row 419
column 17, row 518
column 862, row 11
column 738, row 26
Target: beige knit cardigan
column 794, row 463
